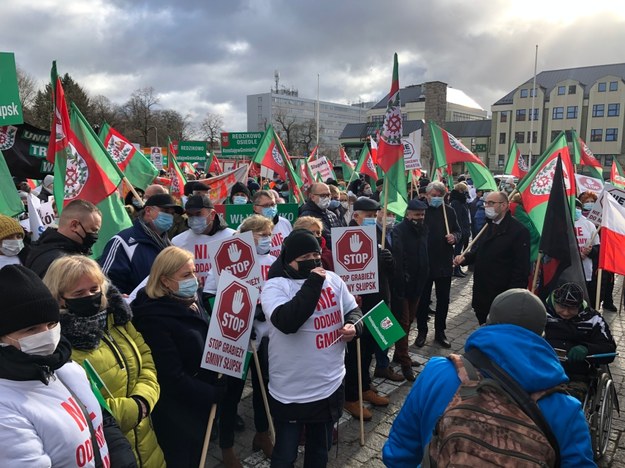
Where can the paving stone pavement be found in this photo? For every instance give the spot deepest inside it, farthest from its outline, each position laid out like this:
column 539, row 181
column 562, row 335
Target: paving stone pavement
column 460, row 323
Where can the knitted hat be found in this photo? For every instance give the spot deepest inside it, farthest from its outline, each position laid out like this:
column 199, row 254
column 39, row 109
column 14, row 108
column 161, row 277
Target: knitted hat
column 518, row 307
column 26, row 301
column 299, row 242
column 9, row 226
column 240, row 187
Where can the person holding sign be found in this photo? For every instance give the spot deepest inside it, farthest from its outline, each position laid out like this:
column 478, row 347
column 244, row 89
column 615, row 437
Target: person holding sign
column 311, row 313
column 173, row 322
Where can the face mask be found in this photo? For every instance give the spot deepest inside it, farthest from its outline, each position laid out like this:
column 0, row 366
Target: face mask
column 304, row 267
column 390, row 221
column 197, row 224
column 417, row 222
column 323, row 202
column 187, row 288
column 239, row 200
column 367, row 192
column 138, row 204
column 344, row 204
column 41, row 344
column 263, row 246
column 84, row 306
column 368, row 222
column 284, row 195
column 89, row 239
column 334, row 204
column 436, row 201
column 490, row 212
column 270, row 212
column 164, row 221
column 588, row 206
column 11, row 247
column 578, row 213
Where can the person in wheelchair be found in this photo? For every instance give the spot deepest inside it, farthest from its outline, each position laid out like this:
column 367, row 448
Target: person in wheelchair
column 579, row 331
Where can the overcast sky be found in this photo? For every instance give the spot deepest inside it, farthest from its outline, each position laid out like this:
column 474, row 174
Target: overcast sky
column 207, row 56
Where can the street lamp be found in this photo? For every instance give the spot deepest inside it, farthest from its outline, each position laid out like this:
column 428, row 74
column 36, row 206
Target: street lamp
column 155, row 133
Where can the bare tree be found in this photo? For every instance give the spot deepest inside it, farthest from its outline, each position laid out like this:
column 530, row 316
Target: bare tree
column 139, row 114
column 28, row 89
column 307, row 136
column 287, row 127
column 211, row 127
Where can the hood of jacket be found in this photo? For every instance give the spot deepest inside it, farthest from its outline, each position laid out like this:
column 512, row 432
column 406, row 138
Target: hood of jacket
column 457, row 196
column 52, row 239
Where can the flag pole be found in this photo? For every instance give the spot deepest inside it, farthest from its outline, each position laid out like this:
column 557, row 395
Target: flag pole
column 360, row 403
column 263, row 392
column 445, row 216
column 385, row 210
column 209, row 428
column 592, row 238
column 620, row 305
column 474, row 240
column 529, row 162
column 536, row 269
column 598, row 295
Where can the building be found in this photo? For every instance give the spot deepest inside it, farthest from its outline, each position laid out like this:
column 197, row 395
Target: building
column 589, row 100
column 285, row 108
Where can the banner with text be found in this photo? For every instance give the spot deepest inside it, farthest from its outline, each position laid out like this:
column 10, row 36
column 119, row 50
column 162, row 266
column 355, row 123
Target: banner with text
column 586, row 183
column 322, row 167
column 596, row 212
column 25, row 148
column 192, row 152
column 10, row 103
column 235, row 144
column 355, row 254
column 412, row 150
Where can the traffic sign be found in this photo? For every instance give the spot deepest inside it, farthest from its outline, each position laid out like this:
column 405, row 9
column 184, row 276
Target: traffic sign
column 236, row 255
column 355, row 254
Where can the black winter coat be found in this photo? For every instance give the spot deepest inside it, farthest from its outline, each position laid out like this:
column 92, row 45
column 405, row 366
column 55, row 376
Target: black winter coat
column 502, row 261
column 50, row 246
column 410, row 251
column 461, row 207
column 440, row 252
column 328, row 219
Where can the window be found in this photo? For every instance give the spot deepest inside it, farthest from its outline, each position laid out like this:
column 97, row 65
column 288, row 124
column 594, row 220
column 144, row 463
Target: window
column 534, row 114
column 613, row 110
column 607, row 160
column 520, row 115
column 571, row 112
column 502, row 138
column 561, row 90
column 611, row 134
column 519, row 137
column 596, row 134
column 597, row 110
column 524, row 93
column 501, row 161
column 554, row 134
column 532, row 92
column 601, row 87
column 572, row 89
column 613, row 85
column 533, row 135
column 534, row 158
column 558, row 113
column 503, row 116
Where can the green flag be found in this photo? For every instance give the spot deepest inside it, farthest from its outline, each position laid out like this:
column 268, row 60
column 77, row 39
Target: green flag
column 97, row 384
column 482, row 177
column 380, row 321
column 396, row 183
column 10, row 202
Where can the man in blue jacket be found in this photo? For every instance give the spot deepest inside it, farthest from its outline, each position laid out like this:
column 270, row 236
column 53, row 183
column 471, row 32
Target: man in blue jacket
column 512, row 339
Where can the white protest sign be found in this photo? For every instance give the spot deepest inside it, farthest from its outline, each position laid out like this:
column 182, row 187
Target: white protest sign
column 355, row 254
column 230, row 326
column 237, row 255
column 40, row 216
column 596, row 212
column 586, row 183
column 156, row 155
column 320, row 166
column 412, row 150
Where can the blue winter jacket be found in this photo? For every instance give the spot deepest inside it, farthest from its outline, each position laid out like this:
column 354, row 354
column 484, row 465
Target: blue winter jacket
column 526, row 357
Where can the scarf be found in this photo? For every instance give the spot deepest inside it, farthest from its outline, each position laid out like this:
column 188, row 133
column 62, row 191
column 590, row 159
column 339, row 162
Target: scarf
column 162, row 241
column 19, row 366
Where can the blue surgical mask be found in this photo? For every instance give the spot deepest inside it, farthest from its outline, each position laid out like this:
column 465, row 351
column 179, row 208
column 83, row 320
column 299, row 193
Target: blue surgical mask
column 368, row 222
column 187, row 288
column 164, row 221
column 334, row 204
column 578, row 213
column 436, row 201
column 588, row 206
column 239, row 200
column 264, row 245
column 197, row 224
column 270, row 212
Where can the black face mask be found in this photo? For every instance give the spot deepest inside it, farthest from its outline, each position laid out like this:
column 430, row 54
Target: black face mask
column 89, row 239
column 86, row 306
column 304, row 267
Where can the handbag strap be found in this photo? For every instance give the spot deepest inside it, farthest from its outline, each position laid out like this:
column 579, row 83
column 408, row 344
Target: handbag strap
column 518, row 394
column 94, row 441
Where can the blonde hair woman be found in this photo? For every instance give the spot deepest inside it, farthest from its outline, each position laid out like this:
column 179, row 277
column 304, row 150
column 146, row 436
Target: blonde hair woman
column 97, row 322
column 169, row 314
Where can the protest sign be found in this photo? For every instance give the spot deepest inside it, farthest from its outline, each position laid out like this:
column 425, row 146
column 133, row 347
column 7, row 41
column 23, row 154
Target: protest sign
column 236, row 255
column 156, row 155
column 355, row 254
column 320, row 166
column 596, row 212
column 229, row 331
column 587, row 183
column 412, row 150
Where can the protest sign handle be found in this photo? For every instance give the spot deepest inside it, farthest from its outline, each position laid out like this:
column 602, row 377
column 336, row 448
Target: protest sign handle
column 209, row 428
column 263, row 392
column 445, row 218
column 474, row 240
column 536, row 269
column 598, row 295
column 384, row 212
column 620, row 304
column 362, row 421
column 592, row 238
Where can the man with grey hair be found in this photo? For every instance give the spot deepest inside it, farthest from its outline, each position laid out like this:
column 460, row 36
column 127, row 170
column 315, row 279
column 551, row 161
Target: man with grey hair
column 443, row 232
column 501, row 256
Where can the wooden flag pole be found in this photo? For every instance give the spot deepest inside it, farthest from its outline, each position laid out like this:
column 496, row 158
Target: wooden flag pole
column 360, row 403
column 620, row 304
column 263, row 392
column 445, row 217
column 209, row 428
column 474, row 240
column 536, row 270
column 384, row 212
column 592, row 238
column 598, row 295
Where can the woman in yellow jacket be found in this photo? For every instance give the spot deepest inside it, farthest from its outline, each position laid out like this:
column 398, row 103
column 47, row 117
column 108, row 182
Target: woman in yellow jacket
column 97, row 322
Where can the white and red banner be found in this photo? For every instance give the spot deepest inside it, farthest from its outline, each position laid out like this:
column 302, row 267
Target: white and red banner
column 220, row 185
column 612, row 247
column 230, row 327
column 596, row 213
column 586, row 183
column 355, row 254
column 320, row 166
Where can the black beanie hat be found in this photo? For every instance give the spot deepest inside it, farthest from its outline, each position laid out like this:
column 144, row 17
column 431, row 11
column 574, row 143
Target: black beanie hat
column 299, row 242
column 240, row 187
column 26, row 301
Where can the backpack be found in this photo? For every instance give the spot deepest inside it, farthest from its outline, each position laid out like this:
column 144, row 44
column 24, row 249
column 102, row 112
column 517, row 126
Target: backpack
column 491, row 421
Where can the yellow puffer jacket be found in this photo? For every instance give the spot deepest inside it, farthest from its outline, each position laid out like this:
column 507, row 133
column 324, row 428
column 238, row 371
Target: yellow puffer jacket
column 124, row 362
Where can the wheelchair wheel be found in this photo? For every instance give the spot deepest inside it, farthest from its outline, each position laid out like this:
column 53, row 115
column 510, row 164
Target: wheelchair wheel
column 605, row 416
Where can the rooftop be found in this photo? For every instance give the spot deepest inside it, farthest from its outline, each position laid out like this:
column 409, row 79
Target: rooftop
column 416, row 93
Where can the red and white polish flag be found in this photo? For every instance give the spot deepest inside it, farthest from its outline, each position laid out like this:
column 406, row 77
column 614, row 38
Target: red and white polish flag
column 612, row 247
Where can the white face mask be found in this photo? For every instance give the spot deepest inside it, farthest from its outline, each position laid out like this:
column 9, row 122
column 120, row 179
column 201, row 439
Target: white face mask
column 41, row 344
column 323, row 202
column 11, row 247
column 490, row 212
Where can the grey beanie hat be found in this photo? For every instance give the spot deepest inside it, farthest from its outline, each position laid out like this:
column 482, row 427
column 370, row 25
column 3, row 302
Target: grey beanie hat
column 518, row 307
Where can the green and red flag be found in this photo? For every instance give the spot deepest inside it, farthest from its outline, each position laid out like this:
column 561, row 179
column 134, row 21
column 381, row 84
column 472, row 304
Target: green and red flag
column 535, row 187
column 365, row 163
column 138, row 169
column 305, row 173
column 215, row 166
column 10, row 202
column 374, row 148
column 313, row 154
column 269, row 153
column 617, row 177
column 178, row 180
column 515, row 165
column 583, row 156
column 390, row 147
column 60, row 117
column 347, row 164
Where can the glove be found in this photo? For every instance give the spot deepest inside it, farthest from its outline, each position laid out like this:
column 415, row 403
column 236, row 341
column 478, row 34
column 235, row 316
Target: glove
column 386, row 256
column 577, row 353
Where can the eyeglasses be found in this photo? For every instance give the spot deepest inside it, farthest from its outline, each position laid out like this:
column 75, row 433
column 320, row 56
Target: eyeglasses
column 322, row 194
column 492, row 203
column 267, row 205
